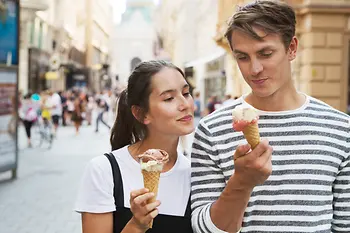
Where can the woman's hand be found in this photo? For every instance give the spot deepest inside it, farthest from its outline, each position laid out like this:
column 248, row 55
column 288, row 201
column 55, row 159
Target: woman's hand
column 143, row 213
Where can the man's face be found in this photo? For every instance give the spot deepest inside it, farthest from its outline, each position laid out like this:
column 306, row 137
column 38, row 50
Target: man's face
column 265, row 65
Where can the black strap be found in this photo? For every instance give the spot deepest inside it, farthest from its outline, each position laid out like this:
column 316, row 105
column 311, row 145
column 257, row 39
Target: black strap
column 188, row 208
column 118, row 182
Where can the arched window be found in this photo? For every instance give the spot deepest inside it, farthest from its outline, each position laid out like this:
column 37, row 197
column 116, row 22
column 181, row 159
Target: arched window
column 134, row 62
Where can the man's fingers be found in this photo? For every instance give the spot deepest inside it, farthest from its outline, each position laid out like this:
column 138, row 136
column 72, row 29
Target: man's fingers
column 260, row 149
column 241, row 151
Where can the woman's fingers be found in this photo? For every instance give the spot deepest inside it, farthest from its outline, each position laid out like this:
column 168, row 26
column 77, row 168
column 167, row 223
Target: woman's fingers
column 135, row 193
column 139, row 200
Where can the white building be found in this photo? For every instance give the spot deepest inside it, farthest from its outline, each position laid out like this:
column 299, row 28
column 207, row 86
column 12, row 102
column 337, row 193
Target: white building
column 134, row 38
column 188, row 29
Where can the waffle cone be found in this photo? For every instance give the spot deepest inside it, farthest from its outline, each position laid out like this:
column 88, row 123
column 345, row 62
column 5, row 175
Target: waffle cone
column 151, row 182
column 251, row 134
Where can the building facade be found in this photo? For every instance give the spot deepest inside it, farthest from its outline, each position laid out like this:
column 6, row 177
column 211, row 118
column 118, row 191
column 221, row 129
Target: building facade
column 322, row 65
column 187, row 30
column 99, row 26
column 63, row 45
column 134, row 38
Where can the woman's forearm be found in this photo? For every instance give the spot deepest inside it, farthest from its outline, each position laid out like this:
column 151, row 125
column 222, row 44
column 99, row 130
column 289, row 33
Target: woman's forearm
column 131, row 227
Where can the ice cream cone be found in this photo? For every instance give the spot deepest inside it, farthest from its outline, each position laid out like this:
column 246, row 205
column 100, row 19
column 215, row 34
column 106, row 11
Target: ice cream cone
column 151, row 182
column 251, row 134
column 152, row 162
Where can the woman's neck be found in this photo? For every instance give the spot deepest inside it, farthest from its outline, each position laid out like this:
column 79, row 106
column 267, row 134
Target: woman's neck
column 170, row 146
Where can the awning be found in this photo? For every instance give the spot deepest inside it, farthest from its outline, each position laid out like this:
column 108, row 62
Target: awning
column 51, row 75
column 218, row 54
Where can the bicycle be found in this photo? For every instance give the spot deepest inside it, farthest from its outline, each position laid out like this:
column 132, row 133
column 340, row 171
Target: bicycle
column 42, row 135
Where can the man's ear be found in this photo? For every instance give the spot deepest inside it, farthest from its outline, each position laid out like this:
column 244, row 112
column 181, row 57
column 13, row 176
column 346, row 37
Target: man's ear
column 139, row 114
column 293, row 47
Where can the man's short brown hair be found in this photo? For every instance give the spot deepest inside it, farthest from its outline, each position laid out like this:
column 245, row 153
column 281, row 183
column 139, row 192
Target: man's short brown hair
column 270, row 16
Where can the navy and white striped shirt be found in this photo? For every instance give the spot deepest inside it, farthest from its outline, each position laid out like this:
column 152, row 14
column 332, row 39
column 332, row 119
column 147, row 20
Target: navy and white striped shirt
column 309, row 188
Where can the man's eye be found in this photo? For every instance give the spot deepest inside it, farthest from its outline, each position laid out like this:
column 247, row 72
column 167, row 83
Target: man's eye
column 266, row 54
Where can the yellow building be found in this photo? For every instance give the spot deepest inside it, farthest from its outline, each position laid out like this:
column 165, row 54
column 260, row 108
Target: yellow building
column 322, row 66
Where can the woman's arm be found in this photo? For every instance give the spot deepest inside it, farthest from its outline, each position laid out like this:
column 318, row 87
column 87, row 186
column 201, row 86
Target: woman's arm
column 97, row 223
column 143, row 213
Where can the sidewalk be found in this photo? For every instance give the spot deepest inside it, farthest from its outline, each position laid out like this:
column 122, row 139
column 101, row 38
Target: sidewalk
column 41, row 199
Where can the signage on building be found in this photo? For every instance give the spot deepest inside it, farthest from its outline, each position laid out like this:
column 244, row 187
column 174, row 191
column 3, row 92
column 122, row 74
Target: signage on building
column 8, row 32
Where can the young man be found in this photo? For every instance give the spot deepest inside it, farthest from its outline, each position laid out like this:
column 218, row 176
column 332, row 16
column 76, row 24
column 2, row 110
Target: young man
column 303, row 185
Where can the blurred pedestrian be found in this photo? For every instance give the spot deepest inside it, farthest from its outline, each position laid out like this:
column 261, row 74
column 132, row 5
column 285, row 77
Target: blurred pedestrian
column 102, row 108
column 56, row 110
column 29, row 116
column 77, row 114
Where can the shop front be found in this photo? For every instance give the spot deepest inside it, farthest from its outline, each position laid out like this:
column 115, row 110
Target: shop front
column 38, row 66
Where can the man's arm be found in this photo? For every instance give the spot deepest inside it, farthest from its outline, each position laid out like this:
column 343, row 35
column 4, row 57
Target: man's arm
column 341, row 198
column 216, row 208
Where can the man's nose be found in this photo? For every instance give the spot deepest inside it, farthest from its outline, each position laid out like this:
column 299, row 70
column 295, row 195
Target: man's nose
column 256, row 67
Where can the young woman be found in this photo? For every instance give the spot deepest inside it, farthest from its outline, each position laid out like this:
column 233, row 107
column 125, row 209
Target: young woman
column 153, row 112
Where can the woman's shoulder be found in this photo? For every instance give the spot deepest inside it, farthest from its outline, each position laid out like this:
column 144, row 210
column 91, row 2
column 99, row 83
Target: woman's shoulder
column 102, row 162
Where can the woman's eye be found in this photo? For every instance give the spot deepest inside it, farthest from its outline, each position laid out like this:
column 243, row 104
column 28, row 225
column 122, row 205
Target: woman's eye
column 242, row 58
column 186, row 94
column 169, row 99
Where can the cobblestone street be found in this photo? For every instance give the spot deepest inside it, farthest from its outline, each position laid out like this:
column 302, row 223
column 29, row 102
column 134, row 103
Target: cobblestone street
column 41, row 199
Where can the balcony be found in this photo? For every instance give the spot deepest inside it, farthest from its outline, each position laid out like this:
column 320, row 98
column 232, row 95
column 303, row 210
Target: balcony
column 29, row 7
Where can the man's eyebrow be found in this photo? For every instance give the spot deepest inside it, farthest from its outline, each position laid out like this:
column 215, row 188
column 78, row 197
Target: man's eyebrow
column 261, row 50
column 173, row 90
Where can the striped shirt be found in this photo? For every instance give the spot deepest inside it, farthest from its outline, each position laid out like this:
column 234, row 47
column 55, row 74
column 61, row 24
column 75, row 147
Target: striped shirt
column 309, row 188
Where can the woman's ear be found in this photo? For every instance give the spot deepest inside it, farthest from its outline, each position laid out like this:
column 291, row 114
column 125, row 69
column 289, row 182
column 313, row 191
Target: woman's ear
column 139, row 114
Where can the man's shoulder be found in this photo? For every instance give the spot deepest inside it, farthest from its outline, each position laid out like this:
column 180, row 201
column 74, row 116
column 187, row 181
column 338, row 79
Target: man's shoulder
column 321, row 107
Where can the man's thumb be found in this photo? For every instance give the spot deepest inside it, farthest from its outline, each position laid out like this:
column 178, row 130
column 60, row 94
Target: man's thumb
column 241, row 151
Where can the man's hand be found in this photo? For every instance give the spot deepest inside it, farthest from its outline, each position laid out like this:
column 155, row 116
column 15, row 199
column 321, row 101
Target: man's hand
column 253, row 167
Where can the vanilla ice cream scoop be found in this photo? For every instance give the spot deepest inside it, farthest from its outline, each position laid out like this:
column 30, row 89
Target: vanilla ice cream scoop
column 244, row 113
column 153, row 160
column 245, row 119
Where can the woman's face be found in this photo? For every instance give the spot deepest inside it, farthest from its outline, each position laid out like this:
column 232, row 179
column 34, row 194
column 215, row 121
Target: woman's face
column 171, row 106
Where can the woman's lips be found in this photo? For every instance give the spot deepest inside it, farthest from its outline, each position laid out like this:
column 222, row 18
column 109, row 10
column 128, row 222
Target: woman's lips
column 186, row 118
column 259, row 81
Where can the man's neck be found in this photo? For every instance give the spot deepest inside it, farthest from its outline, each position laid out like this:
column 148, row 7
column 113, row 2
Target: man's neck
column 282, row 100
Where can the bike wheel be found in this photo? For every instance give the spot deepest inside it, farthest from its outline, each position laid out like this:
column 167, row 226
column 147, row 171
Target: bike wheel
column 36, row 136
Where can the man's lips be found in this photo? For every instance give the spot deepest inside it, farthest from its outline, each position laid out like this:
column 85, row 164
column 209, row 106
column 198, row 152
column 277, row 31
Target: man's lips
column 186, row 118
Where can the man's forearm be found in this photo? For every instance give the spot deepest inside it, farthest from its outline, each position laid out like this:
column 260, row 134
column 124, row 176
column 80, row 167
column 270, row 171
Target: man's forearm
column 228, row 211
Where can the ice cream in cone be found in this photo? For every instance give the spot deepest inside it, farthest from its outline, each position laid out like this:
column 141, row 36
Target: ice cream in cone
column 245, row 119
column 152, row 162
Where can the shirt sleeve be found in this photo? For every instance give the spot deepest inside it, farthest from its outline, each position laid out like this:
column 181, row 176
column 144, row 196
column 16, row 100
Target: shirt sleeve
column 207, row 180
column 96, row 190
column 341, row 195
